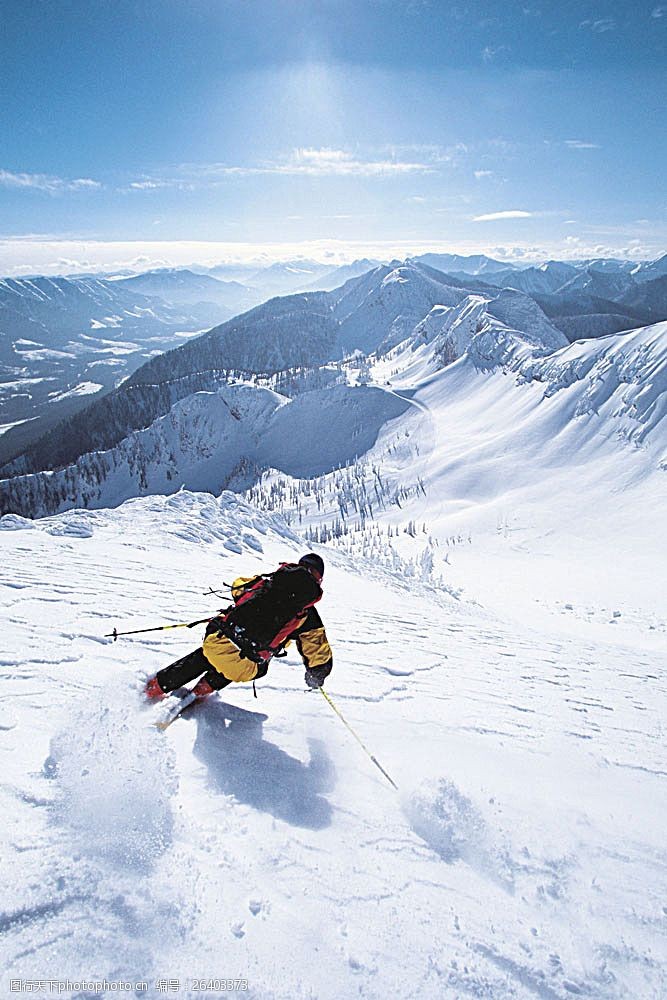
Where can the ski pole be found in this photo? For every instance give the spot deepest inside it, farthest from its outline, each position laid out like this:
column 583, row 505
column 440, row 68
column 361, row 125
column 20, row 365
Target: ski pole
column 157, row 628
column 358, row 739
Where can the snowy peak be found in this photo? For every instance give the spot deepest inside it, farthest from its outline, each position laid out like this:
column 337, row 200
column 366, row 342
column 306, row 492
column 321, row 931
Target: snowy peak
column 521, row 313
column 450, row 331
column 279, row 334
column 608, row 265
column 600, row 284
column 490, row 330
column 647, row 271
column 287, row 277
column 381, row 308
column 339, row 275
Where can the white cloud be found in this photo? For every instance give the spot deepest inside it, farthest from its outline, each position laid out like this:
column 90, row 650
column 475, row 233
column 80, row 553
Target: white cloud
column 600, row 26
column 430, row 154
column 581, row 144
column 74, row 265
column 483, row 173
column 512, row 213
column 303, row 161
column 80, row 183
column 147, row 185
column 339, row 162
column 46, row 182
column 321, row 162
column 491, row 52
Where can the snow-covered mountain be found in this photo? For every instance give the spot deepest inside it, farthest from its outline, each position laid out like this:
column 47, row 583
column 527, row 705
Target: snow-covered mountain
column 281, row 333
column 482, row 325
column 607, row 265
column 380, row 308
column 648, row 298
column 591, row 298
column 649, row 270
column 230, row 434
column 227, row 271
column 598, row 302
column 596, row 284
column 298, row 340
column 339, row 275
column 542, row 280
column 614, row 387
column 212, row 440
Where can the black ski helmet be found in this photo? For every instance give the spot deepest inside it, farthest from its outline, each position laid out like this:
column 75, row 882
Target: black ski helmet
column 312, row 561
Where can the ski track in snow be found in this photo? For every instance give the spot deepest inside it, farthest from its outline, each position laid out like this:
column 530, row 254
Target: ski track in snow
column 523, row 856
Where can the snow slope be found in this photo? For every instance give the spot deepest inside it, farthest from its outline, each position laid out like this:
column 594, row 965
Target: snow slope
column 530, row 465
column 523, row 855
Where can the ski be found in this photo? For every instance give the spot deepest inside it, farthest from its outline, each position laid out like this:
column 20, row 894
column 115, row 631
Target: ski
column 172, row 707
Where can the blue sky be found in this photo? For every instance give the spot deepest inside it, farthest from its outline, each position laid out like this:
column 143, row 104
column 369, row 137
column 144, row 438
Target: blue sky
column 198, row 129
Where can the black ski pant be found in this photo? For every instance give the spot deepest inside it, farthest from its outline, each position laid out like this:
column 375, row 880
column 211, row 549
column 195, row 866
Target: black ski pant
column 192, row 665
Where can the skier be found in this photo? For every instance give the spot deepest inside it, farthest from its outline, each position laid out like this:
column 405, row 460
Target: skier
column 269, row 611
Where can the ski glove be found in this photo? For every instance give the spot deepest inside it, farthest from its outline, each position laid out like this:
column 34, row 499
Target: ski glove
column 316, row 676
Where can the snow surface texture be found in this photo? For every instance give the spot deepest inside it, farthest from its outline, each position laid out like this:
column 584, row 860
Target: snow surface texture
column 523, row 856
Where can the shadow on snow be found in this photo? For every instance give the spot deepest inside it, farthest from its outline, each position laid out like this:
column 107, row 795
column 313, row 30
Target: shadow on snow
column 240, row 762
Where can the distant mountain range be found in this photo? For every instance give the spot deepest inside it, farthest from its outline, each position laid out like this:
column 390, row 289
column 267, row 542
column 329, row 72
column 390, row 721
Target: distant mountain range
column 63, row 332
column 476, row 264
column 376, row 309
column 373, row 312
column 592, row 298
column 184, row 287
column 65, row 340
